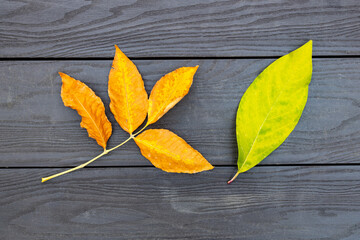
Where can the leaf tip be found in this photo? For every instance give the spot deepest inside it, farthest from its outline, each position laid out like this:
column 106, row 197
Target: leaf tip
column 195, row 68
column 62, row 74
column 308, row 46
column 119, row 54
column 208, row 166
column 64, row 77
column 191, row 70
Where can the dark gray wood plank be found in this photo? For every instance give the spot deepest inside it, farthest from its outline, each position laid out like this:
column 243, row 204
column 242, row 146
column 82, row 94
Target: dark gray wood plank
column 37, row 130
column 65, row 28
column 146, row 203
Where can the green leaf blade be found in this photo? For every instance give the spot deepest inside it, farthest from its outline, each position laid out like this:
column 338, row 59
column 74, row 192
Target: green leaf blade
column 272, row 106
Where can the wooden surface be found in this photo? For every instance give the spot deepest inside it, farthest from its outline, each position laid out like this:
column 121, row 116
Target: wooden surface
column 309, row 188
column 67, row 28
column 144, row 203
column 38, row 130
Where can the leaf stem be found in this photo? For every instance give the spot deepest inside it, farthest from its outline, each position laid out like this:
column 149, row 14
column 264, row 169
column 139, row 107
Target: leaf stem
column 140, row 130
column 112, row 149
column 75, row 168
column 98, row 156
column 237, row 174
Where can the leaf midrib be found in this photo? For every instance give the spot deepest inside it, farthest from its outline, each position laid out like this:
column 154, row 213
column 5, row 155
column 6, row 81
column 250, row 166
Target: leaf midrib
column 147, row 143
column 170, row 95
column 258, row 133
column 102, row 137
column 127, row 104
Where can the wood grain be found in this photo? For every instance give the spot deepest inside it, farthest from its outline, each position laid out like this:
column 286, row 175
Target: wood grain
column 151, row 28
column 37, row 130
column 146, row 203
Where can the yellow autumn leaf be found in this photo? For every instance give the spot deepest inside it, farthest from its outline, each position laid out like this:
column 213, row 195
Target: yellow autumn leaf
column 167, row 151
column 271, row 107
column 129, row 100
column 80, row 97
column 168, row 91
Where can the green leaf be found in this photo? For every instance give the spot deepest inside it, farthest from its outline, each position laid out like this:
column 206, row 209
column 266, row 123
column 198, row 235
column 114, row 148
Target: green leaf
column 271, row 107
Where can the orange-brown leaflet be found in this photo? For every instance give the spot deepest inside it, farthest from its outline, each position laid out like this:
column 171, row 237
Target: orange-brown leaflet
column 80, row 97
column 167, row 151
column 168, row 91
column 129, row 100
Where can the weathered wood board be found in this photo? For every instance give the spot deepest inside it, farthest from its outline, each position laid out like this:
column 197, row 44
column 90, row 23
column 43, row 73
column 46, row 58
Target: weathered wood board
column 309, row 188
column 146, row 203
column 187, row 28
column 37, row 130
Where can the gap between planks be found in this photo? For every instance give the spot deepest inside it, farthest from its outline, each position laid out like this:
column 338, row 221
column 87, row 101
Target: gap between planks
column 217, row 166
column 162, row 58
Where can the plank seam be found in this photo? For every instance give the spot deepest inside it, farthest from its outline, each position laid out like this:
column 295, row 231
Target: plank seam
column 165, row 58
column 218, row 166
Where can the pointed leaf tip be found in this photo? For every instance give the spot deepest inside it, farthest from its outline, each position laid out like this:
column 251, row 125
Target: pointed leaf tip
column 117, row 49
column 62, row 75
column 309, row 45
column 303, row 51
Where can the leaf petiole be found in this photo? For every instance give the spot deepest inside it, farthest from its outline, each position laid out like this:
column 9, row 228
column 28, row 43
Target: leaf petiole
column 75, row 168
column 231, row 180
column 106, row 151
